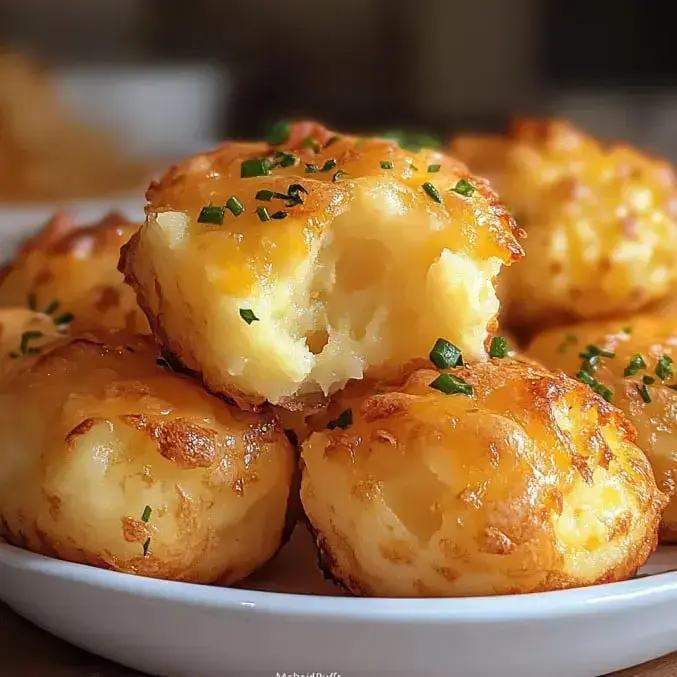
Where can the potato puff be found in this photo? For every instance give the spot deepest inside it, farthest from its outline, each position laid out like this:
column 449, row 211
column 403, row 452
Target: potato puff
column 24, row 332
column 110, row 459
column 71, row 273
column 493, row 478
column 332, row 254
column 631, row 362
column 601, row 224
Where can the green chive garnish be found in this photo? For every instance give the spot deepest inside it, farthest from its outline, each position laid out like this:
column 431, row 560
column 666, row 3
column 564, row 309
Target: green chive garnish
column 146, row 513
column 432, row 191
column 595, row 351
column 278, row 133
column 64, row 319
column 634, row 365
column 644, row 393
column 146, row 545
column 499, row 347
column 648, row 380
column 452, row 385
column 212, row 214
column 343, row 420
column 337, row 176
column 51, row 308
column 262, row 213
column 604, row 392
column 587, row 378
column 328, row 165
column 464, row 188
column 248, row 315
column 265, row 195
column 309, row 142
column 312, row 169
column 278, row 216
column 32, row 301
column 386, row 164
column 445, row 354
column 235, row 206
column 568, row 339
column 255, row 167
column 627, row 330
column 332, row 140
column 664, row 369
column 433, row 169
column 26, row 338
column 284, row 159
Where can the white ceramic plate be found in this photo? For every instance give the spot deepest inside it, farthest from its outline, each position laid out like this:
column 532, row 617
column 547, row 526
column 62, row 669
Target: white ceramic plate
column 183, row 630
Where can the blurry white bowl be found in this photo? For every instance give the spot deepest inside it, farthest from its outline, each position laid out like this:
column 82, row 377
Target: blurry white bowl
column 158, row 111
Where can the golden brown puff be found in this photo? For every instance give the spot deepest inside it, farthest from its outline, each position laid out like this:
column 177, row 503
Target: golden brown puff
column 76, row 268
column 24, row 332
column 523, row 481
column 640, row 381
column 110, row 459
column 601, row 224
column 341, row 254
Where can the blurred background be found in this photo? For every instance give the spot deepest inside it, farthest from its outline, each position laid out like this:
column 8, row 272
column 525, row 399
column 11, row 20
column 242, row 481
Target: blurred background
column 173, row 76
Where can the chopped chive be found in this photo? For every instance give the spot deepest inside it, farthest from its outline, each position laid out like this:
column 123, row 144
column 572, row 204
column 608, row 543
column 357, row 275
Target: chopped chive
column 309, row 142
column 332, row 140
column 445, row 354
column 262, row 213
column 432, row 191
column 337, row 176
column 433, row 169
column 604, row 392
column 51, row 308
column 64, row 319
column 161, row 362
column 328, row 165
column 644, row 393
column 296, row 188
column 648, row 380
column 265, row 195
column 32, row 301
column 452, row 385
column 278, row 133
column 312, row 169
column 284, row 159
column 627, row 330
column 343, row 420
column 664, row 369
column 464, row 188
column 499, row 347
column 235, row 206
column 568, row 340
column 212, row 214
column 146, row 545
column 248, row 315
column 587, row 378
column 278, row 216
column 596, row 351
column 590, row 364
column 634, row 365
column 255, row 167
column 26, row 338
column 386, row 164
column 146, row 513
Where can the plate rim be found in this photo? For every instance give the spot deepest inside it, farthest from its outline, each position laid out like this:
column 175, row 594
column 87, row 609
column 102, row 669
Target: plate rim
column 520, row 607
